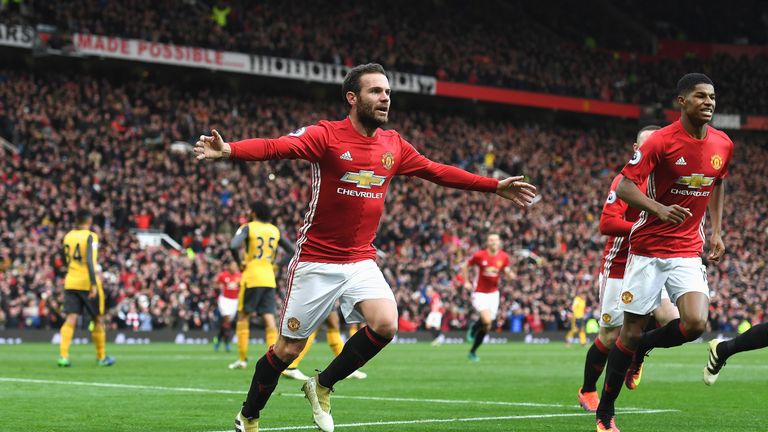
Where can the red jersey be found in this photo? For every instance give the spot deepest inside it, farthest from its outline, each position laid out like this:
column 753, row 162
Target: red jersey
column 616, row 222
column 489, row 269
column 436, row 304
column 349, row 175
column 230, row 284
column 680, row 170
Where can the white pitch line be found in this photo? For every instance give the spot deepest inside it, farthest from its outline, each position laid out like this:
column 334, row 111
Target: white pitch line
column 453, row 420
column 243, row 392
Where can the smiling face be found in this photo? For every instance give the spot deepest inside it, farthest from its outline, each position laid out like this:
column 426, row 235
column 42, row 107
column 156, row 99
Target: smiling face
column 698, row 104
column 372, row 102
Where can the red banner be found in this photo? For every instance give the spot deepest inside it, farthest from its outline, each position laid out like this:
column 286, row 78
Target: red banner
column 540, row 100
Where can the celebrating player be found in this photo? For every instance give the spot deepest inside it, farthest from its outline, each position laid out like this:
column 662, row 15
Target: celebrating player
column 83, row 290
column 685, row 164
column 616, row 222
column 485, row 299
column 352, row 162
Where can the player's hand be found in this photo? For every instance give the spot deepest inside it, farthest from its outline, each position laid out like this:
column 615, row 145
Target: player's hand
column 211, row 147
column 673, row 214
column 517, row 191
column 93, row 292
column 716, row 248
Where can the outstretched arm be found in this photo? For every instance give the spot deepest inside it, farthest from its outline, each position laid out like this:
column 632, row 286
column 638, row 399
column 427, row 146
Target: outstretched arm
column 307, row 143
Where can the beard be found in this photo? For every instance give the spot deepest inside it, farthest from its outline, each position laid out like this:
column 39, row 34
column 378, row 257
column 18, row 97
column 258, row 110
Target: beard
column 366, row 113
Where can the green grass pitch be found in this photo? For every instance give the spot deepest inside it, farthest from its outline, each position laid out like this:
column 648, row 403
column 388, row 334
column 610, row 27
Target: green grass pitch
column 515, row 387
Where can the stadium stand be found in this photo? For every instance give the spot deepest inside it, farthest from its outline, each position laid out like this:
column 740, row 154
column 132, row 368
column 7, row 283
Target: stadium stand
column 85, row 140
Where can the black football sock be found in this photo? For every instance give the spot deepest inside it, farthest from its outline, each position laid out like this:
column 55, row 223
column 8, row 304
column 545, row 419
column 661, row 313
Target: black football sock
column 360, row 348
column 618, row 362
column 479, row 337
column 435, row 333
column 671, row 335
column 597, row 355
column 752, row 339
column 476, row 327
column 263, row 383
column 226, row 333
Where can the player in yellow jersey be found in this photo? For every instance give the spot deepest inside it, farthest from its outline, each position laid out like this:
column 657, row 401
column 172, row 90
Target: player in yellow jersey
column 257, row 285
column 577, row 320
column 83, row 290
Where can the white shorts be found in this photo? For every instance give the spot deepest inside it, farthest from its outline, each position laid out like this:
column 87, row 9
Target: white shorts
column 646, row 277
column 227, row 306
column 611, row 316
column 486, row 301
column 434, row 320
column 314, row 288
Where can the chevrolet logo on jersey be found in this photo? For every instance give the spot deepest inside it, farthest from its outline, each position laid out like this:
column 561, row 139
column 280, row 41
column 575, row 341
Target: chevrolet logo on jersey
column 364, row 179
column 695, row 181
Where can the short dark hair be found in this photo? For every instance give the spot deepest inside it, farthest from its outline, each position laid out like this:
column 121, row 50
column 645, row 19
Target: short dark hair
column 689, row 81
column 261, row 210
column 352, row 79
column 645, row 129
column 82, row 216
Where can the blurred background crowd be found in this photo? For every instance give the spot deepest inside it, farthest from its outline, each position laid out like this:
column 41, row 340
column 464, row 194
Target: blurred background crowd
column 105, row 142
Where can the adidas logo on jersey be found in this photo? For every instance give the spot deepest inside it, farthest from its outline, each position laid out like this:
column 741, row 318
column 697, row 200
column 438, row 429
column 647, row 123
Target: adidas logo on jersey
column 346, row 156
column 681, row 161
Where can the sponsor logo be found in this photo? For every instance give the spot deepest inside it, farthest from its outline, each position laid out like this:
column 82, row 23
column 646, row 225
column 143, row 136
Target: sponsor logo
column 611, row 197
column 361, row 194
column 636, row 158
column 293, row 324
column 695, row 181
column 388, row 159
column 606, row 318
column 346, row 156
column 681, row 161
column 363, row 179
column 626, row 297
column 687, row 192
column 298, row 132
column 716, row 161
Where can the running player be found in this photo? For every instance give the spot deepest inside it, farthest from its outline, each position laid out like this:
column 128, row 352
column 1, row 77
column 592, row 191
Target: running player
column 352, row 164
column 490, row 262
column 229, row 281
column 578, row 309
column 685, row 165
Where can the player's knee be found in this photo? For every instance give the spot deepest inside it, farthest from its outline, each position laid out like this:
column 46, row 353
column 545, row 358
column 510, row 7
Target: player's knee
column 288, row 352
column 694, row 328
column 608, row 338
column 385, row 329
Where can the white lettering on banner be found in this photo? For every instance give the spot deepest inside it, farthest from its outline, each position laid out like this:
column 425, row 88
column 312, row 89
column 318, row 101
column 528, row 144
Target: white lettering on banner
column 362, row 194
column 726, row 121
column 334, row 74
column 16, row 36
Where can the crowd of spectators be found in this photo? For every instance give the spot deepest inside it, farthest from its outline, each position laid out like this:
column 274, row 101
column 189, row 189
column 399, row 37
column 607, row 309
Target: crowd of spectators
column 105, row 145
column 523, row 45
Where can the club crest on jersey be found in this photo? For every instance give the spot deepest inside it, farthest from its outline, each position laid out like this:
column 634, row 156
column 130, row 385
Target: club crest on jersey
column 363, row 179
column 606, row 318
column 626, row 297
column 388, row 160
column 695, row 181
column 293, row 324
column 716, row 161
column 636, row 158
column 611, row 197
column 298, row 132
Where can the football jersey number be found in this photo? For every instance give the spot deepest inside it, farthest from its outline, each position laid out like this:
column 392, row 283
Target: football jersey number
column 77, row 256
column 270, row 249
